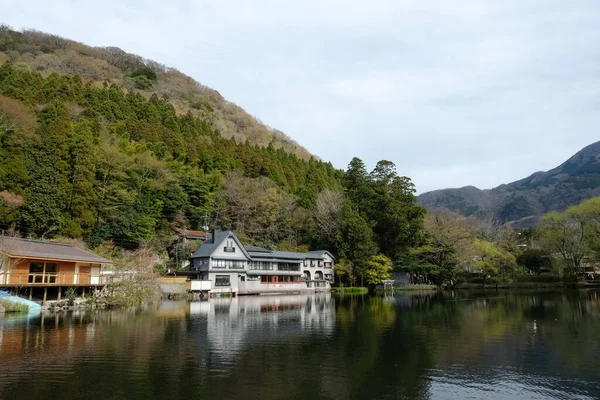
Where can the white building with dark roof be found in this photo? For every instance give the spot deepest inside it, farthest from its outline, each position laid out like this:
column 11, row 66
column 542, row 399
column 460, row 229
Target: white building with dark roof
column 234, row 268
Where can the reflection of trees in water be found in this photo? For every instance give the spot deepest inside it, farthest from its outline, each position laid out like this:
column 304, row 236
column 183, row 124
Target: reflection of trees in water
column 302, row 347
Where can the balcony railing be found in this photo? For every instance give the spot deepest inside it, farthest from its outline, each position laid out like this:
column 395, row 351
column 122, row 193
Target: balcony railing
column 54, row 279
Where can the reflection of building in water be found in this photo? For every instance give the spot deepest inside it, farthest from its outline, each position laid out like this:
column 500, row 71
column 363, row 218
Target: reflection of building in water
column 232, row 323
column 43, row 341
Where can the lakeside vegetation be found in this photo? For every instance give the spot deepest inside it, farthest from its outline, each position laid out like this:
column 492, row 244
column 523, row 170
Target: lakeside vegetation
column 10, row 307
column 349, row 290
column 115, row 163
column 562, row 250
column 118, row 167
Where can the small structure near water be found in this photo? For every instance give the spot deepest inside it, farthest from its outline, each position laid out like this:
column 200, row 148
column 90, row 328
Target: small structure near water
column 35, row 268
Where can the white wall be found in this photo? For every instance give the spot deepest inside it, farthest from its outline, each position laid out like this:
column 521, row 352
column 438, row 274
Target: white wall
column 223, row 255
column 233, row 281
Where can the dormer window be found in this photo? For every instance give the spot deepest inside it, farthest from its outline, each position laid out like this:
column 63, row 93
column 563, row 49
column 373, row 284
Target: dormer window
column 229, row 247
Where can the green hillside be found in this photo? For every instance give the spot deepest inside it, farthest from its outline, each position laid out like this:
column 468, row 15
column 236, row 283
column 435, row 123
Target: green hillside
column 47, row 53
column 104, row 163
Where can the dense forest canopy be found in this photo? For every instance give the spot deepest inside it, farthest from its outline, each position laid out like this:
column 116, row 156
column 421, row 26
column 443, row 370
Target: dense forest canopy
column 107, row 157
column 47, row 53
column 103, row 163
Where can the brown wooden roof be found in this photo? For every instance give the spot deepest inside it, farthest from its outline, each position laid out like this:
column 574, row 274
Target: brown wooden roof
column 193, row 234
column 26, row 248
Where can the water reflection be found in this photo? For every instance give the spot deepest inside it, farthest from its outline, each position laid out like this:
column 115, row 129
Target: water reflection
column 408, row 345
column 233, row 323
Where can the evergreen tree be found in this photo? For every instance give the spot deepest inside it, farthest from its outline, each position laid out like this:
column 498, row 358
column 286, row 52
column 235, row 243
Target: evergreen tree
column 48, row 168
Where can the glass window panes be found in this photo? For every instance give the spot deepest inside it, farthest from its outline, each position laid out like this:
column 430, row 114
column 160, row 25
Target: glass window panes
column 222, row 280
column 36, row 268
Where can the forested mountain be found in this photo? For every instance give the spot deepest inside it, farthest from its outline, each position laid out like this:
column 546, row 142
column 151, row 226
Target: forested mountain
column 523, row 201
column 110, row 164
column 48, row 53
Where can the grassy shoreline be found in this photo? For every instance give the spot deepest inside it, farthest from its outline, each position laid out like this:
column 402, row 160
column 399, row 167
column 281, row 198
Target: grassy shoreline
column 527, row 285
column 16, row 308
column 407, row 288
column 349, row 290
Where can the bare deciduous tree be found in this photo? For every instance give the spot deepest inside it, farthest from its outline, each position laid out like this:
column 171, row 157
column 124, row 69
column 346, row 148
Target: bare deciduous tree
column 6, row 262
column 133, row 278
column 327, row 213
column 7, row 124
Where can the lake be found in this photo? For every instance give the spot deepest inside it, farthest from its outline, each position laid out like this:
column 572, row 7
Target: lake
column 454, row 345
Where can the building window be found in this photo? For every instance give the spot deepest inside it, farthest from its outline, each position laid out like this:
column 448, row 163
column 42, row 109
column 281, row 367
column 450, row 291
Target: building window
column 289, row 279
column 40, row 272
column 288, row 267
column 228, row 264
column 267, row 279
column 229, row 247
column 260, row 266
column 222, row 280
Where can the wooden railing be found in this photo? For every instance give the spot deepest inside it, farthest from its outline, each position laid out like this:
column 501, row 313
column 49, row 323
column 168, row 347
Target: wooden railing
column 55, row 279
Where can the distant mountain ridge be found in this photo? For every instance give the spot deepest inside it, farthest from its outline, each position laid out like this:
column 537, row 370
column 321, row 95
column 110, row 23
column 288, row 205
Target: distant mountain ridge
column 521, row 203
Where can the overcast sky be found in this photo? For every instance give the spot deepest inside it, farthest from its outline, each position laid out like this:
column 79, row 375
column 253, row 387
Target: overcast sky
column 455, row 93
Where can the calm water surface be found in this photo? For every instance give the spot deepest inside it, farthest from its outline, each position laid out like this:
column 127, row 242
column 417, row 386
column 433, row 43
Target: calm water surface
column 495, row 345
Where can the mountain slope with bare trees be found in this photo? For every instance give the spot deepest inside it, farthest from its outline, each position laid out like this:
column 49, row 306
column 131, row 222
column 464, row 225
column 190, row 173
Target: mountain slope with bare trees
column 49, row 53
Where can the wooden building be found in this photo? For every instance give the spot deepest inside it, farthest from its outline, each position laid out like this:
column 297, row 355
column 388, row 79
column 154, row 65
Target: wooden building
column 26, row 263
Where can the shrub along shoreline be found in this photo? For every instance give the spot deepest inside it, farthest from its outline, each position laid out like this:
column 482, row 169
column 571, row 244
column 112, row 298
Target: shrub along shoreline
column 349, row 290
column 528, row 285
column 9, row 307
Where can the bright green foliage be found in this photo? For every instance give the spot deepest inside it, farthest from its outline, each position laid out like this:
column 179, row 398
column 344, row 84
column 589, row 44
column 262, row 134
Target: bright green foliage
column 104, row 164
column 346, row 271
column 124, row 163
column 445, row 246
column 588, row 215
column 378, row 269
column 492, row 260
column 562, row 234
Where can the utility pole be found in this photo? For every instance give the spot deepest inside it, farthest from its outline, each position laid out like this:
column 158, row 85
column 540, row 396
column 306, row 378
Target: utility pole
column 205, row 227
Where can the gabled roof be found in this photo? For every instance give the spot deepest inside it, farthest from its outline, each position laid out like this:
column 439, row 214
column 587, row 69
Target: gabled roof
column 254, row 252
column 216, row 239
column 292, row 255
column 277, row 256
column 256, row 249
column 319, row 254
column 44, row 250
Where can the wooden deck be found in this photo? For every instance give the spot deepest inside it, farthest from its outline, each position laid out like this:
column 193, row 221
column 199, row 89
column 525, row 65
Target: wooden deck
column 51, row 280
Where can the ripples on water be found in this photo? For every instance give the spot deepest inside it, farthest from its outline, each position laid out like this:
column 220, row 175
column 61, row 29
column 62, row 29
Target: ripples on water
column 410, row 345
